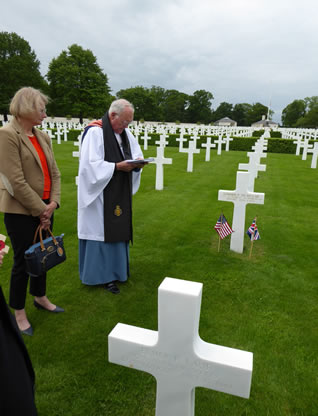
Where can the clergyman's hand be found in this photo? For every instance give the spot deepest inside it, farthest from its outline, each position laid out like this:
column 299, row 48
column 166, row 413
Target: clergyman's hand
column 125, row 166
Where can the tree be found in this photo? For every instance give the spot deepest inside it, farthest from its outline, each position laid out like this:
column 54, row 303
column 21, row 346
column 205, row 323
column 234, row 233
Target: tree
column 224, row 110
column 19, row 68
column 77, row 84
column 293, row 112
column 240, row 113
column 159, row 97
column 310, row 119
column 256, row 112
column 175, row 106
column 142, row 101
column 199, row 109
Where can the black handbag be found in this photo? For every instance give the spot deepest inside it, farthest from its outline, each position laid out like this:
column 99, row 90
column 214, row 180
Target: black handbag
column 45, row 254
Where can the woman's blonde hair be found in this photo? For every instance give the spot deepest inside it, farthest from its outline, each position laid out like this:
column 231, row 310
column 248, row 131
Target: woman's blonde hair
column 26, row 100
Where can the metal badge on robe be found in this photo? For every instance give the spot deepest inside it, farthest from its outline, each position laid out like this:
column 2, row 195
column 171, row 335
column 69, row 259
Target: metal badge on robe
column 118, row 211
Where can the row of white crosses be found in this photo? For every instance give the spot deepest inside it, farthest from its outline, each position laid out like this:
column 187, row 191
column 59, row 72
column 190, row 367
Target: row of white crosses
column 61, row 129
column 149, row 128
column 171, row 128
column 307, row 148
column 293, row 133
column 244, row 193
column 160, row 159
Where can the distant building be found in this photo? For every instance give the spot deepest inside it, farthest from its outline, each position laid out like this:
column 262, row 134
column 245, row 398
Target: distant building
column 225, row 122
column 265, row 123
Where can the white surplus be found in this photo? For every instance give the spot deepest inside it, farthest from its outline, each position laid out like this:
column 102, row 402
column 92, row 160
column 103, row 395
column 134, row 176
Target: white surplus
column 93, row 176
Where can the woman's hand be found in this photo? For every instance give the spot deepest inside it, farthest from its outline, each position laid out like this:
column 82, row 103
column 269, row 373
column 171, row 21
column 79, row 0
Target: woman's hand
column 45, row 217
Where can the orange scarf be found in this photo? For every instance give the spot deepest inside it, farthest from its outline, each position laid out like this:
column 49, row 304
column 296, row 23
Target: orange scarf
column 46, row 173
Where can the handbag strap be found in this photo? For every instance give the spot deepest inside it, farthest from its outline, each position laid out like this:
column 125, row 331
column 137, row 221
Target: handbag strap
column 39, row 231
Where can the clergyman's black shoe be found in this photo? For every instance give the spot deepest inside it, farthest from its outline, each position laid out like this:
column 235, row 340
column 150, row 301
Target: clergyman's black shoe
column 112, row 287
column 56, row 310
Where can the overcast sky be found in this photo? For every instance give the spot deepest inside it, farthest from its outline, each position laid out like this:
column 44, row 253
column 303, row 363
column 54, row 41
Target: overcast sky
column 240, row 50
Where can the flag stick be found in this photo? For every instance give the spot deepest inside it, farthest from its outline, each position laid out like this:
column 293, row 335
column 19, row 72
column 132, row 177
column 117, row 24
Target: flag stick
column 252, row 242
column 251, row 248
column 219, row 244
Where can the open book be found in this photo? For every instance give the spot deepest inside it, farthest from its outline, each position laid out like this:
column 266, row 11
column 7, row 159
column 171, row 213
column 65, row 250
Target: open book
column 141, row 161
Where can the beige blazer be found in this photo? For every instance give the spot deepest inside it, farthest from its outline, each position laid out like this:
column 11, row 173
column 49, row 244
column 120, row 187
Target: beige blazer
column 21, row 175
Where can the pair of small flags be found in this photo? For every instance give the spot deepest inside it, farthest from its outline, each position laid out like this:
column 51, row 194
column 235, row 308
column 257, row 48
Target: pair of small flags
column 223, row 228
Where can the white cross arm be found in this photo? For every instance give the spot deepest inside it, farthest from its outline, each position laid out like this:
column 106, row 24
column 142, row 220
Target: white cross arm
column 127, row 346
column 229, row 372
column 244, row 197
column 260, row 154
column 256, row 166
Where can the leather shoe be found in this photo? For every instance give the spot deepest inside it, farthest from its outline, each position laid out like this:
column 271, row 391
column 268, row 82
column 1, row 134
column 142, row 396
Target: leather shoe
column 112, row 287
column 28, row 331
column 56, row 310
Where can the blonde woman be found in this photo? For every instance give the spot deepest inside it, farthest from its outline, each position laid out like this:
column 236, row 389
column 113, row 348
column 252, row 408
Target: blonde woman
column 29, row 194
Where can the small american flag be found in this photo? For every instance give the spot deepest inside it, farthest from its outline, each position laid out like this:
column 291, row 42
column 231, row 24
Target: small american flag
column 252, row 231
column 222, row 227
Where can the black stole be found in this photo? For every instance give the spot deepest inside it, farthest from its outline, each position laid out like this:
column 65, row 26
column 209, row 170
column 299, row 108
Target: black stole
column 118, row 192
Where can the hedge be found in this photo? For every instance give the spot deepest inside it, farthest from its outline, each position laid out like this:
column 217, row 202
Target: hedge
column 275, row 145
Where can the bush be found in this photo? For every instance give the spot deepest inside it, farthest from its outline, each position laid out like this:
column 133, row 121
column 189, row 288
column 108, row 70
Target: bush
column 258, row 133
column 276, row 134
column 281, row 146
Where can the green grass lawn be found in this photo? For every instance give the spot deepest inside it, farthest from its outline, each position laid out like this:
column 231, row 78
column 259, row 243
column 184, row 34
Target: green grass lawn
column 266, row 304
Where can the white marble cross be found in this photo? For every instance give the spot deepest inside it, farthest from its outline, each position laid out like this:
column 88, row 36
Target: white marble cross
column 146, row 138
column 219, row 142
column 306, row 146
column 258, row 154
column 299, row 144
column 78, row 144
column 51, row 134
column 65, row 131
column 176, row 355
column 227, row 141
column 260, row 146
column 181, row 139
column 191, row 150
column 77, row 153
column 162, row 142
column 314, row 152
column 195, row 138
column 253, row 166
column 58, row 135
column 208, row 146
column 160, row 160
column 240, row 197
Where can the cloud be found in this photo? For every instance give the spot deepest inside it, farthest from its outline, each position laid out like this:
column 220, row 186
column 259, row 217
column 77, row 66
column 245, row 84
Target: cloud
column 241, row 51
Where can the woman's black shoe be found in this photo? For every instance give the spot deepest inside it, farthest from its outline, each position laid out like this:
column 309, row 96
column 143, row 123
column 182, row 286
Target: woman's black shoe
column 56, row 310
